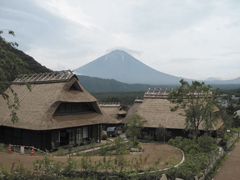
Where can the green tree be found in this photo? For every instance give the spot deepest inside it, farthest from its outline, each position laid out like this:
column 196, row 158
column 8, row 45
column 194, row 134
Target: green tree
column 134, row 127
column 111, row 99
column 11, row 66
column 120, row 145
column 198, row 104
column 236, row 121
column 226, row 118
column 231, row 110
column 206, row 143
column 160, row 133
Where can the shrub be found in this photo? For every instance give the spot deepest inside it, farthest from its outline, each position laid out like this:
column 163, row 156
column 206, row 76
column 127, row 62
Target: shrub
column 70, row 168
column 119, row 128
column 197, row 156
column 147, row 137
column 3, row 148
column 46, row 169
column 120, row 145
column 134, row 142
column 206, row 143
column 191, row 148
column 60, row 152
column 104, row 137
column 176, row 142
column 139, row 146
column 185, row 142
column 3, row 171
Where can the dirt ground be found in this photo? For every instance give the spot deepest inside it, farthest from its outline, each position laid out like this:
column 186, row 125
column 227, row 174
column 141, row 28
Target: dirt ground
column 163, row 151
column 231, row 167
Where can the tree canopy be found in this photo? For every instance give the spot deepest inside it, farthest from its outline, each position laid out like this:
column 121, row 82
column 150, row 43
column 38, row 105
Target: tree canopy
column 11, row 66
column 198, row 104
column 14, row 63
column 134, row 127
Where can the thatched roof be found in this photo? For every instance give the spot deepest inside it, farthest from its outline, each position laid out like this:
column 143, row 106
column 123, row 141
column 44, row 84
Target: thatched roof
column 159, row 94
column 157, row 112
column 156, row 109
column 112, row 109
column 37, row 107
column 132, row 110
column 57, row 76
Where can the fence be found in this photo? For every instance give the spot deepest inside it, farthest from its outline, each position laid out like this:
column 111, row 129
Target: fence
column 30, row 147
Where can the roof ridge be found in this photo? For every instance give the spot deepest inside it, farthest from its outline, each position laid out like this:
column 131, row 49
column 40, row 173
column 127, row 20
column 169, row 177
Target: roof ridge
column 157, row 93
column 56, row 76
column 109, row 104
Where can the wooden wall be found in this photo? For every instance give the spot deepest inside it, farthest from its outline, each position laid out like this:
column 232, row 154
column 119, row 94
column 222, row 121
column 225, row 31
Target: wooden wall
column 39, row 139
column 15, row 136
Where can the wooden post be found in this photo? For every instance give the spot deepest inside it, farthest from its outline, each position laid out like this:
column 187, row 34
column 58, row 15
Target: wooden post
column 100, row 132
column 164, row 134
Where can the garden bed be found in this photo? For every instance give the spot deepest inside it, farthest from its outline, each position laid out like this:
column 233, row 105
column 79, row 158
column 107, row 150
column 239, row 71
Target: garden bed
column 166, row 154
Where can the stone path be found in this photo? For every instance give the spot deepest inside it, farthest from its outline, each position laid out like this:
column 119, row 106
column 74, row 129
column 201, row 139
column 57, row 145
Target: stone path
column 231, row 167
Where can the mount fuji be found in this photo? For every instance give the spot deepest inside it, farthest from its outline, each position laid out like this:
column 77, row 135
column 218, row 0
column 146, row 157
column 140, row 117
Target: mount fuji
column 123, row 67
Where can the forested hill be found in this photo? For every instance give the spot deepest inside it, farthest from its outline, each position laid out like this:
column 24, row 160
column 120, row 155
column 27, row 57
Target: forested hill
column 33, row 65
column 93, row 84
column 14, row 62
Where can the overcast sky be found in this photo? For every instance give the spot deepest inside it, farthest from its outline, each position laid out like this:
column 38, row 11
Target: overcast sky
column 193, row 39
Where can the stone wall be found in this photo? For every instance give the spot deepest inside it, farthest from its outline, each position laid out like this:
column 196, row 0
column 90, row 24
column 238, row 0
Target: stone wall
column 215, row 155
column 232, row 140
column 218, row 155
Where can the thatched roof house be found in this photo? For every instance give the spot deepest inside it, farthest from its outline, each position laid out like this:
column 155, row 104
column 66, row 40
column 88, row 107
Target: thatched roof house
column 156, row 109
column 113, row 109
column 57, row 105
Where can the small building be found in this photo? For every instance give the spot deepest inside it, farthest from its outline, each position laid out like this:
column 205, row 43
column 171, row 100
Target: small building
column 223, row 102
column 113, row 109
column 238, row 113
column 155, row 108
column 57, row 110
column 235, row 98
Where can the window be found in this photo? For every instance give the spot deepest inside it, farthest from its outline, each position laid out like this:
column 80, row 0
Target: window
column 79, row 135
column 62, row 108
column 70, row 108
column 74, row 107
column 71, row 133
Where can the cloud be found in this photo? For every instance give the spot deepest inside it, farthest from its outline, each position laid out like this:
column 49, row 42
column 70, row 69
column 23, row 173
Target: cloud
column 64, row 10
column 175, row 37
column 60, row 67
column 185, row 60
column 229, row 53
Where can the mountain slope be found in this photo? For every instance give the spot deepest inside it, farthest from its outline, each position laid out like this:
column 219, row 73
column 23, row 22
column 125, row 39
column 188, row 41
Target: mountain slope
column 33, row 65
column 8, row 51
column 123, row 67
column 93, row 84
column 232, row 81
